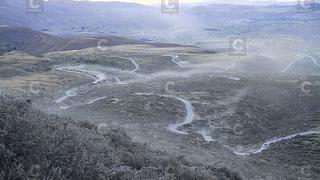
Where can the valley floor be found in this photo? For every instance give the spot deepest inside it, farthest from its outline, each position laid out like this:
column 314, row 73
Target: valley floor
column 217, row 110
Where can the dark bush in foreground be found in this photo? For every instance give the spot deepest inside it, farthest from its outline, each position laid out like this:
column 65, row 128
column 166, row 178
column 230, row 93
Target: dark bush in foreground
column 34, row 145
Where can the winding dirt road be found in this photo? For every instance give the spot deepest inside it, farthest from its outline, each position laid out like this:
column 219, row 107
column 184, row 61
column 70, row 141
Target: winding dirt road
column 314, row 61
column 269, row 143
column 189, row 114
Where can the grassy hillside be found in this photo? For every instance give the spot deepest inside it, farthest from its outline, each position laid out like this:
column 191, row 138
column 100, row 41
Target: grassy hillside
column 17, row 38
column 20, row 64
column 23, row 39
column 40, row 146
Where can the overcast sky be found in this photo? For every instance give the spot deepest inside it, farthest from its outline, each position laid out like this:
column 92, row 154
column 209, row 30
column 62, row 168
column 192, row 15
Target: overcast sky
column 194, row 1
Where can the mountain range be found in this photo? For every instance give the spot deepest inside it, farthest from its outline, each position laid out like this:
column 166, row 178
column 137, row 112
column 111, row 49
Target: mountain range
column 193, row 24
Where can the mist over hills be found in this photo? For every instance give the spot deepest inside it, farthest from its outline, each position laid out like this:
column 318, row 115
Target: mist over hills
column 79, row 16
column 18, row 38
column 115, row 90
column 193, row 24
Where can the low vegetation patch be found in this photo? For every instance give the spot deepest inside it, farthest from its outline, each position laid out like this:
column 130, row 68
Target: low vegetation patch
column 34, row 145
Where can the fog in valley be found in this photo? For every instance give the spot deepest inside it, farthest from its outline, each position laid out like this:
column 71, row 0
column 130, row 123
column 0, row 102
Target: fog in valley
column 160, row 89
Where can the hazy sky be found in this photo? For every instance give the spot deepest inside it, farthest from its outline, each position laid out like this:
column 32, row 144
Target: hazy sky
column 191, row 1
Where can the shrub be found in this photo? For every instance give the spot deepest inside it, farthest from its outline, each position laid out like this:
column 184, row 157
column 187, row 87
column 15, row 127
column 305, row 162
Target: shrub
column 34, row 145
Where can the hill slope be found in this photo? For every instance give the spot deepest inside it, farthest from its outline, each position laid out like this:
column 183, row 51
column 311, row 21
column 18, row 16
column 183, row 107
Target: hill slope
column 36, row 145
column 17, row 38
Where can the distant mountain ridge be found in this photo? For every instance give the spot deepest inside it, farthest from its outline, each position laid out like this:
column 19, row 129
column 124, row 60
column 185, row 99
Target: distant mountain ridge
column 17, row 38
column 72, row 14
column 147, row 23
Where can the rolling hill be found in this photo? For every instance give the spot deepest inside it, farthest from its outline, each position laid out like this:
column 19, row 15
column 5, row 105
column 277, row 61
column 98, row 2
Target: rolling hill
column 18, row 38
